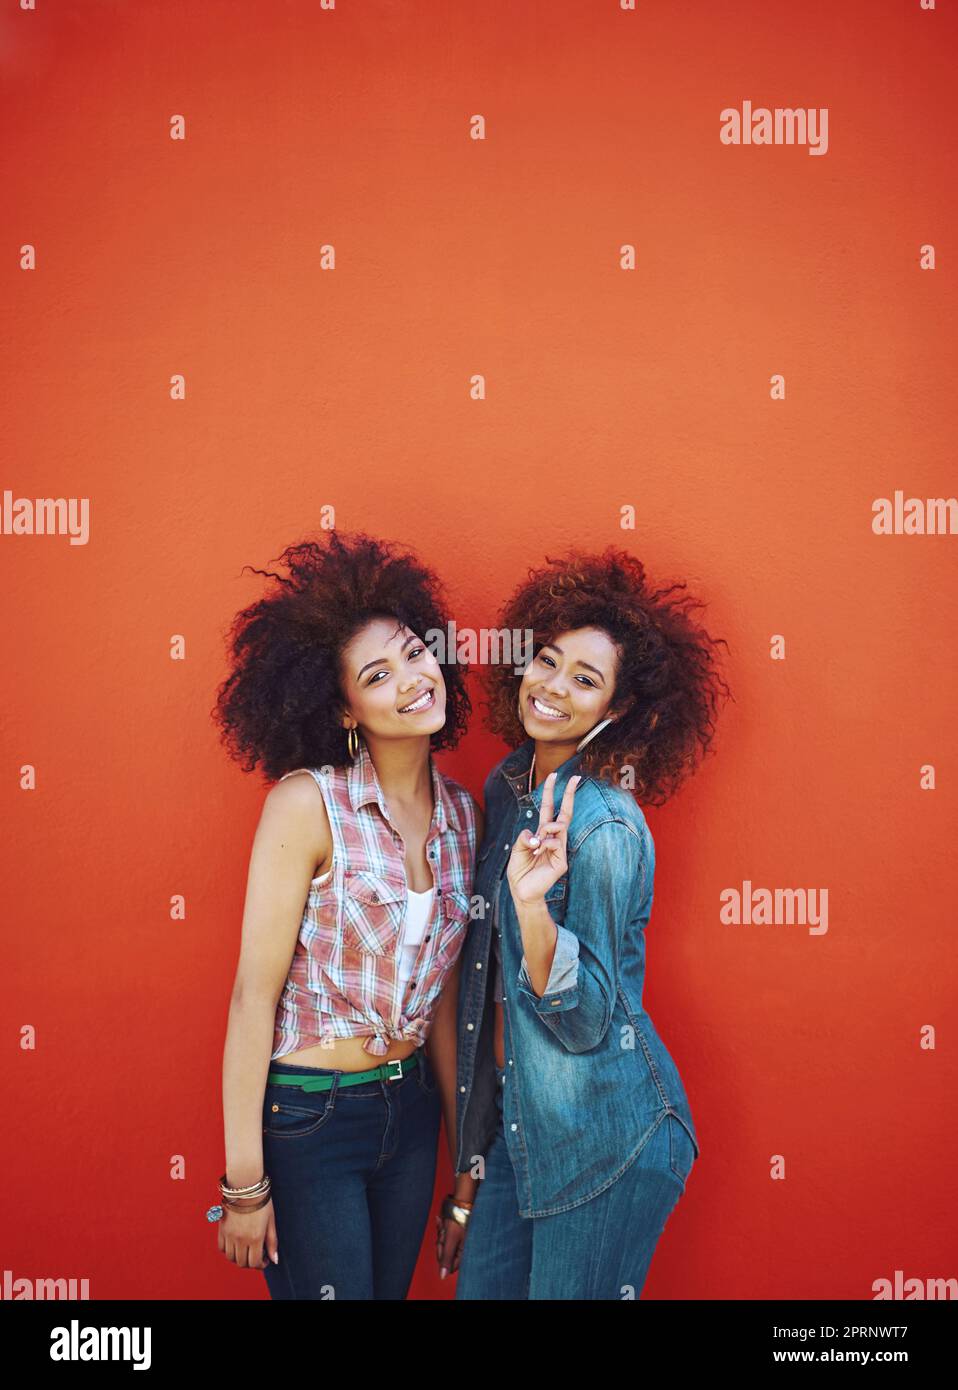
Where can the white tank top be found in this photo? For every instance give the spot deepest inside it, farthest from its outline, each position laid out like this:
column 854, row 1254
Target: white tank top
column 418, row 912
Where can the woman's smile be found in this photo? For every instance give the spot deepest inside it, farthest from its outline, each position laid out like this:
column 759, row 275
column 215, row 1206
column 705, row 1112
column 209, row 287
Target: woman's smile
column 544, row 710
column 424, row 701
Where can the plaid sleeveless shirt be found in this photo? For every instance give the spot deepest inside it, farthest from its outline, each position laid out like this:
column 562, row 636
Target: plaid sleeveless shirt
column 343, row 979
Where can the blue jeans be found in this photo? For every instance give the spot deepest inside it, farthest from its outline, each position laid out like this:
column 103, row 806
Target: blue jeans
column 600, row 1249
column 353, row 1170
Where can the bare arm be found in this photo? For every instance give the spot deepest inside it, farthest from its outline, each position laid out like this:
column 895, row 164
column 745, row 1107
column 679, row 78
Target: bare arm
column 441, row 1047
column 292, row 839
column 442, row 1040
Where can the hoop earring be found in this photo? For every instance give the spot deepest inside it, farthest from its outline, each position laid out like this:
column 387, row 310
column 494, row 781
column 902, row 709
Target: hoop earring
column 352, row 741
column 592, row 732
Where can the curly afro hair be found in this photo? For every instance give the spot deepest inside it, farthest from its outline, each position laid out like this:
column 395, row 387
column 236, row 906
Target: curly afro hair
column 279, row 706
column 666, row 665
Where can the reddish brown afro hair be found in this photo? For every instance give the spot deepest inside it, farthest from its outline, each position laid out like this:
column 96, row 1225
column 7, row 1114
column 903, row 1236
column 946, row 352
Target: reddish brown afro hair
column 667, row 672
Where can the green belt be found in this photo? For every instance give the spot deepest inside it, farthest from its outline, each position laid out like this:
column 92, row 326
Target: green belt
column 387, row 1071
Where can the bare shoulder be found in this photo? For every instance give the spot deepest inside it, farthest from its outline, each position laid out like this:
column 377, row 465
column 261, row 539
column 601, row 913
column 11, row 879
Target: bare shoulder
column 294, row 806
column 297, row 789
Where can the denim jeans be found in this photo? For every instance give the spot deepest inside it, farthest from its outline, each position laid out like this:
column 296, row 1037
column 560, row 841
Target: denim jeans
column 600, row 1249
column 352, row 1170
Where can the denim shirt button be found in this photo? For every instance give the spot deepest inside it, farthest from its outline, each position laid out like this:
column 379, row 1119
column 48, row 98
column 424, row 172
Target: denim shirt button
column 528, row 813
column 469, row 1027
column 478, row 964
column 513, row 1128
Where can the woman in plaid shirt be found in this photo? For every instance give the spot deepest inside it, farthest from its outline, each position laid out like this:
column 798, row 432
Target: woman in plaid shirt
column 357, row 904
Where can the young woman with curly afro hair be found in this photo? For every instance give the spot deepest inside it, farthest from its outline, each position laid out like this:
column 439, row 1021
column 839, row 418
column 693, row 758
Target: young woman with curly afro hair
column 573, row 1121
column 357, row 904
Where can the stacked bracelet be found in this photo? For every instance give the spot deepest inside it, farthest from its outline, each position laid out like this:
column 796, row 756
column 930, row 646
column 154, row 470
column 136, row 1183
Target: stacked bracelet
column 455, row 1211
column 231, row 1205
column 255, row 1189
column 241, row 1198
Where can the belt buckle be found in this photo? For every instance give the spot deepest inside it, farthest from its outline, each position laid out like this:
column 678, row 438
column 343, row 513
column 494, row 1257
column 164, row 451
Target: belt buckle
column 395, row 1062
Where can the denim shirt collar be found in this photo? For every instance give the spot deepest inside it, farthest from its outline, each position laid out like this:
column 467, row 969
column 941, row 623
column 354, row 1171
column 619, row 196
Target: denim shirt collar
column 515, row 772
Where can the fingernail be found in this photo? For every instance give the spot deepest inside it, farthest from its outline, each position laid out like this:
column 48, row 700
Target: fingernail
column 533, row 839
column 443, row 1273
column 275, row 1258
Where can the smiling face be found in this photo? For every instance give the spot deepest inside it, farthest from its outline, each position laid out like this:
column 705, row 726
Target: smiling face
column 392, row 683
column 569, row 686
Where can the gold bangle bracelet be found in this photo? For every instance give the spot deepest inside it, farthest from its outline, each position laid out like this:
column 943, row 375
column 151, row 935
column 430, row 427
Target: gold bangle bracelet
column 241, row 1211
column 252, row 1191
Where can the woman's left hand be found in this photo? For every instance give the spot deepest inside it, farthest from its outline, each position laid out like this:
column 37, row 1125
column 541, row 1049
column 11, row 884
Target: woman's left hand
column 539, row 860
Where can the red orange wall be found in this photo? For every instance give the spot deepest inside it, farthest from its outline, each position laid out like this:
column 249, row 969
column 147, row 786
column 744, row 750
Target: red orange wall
column 605, row 388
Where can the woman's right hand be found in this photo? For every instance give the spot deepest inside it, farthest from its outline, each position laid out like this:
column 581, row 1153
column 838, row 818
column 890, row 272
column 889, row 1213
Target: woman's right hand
column 449, row 1241
column 242, row 1235
column 450, row 1236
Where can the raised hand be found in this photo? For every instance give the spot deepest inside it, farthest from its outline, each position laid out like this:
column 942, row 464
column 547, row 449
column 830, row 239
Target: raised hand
column 538, row 859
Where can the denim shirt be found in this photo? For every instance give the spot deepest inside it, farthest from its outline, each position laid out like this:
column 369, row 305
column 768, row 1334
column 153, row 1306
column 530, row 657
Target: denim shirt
column 587, row 1077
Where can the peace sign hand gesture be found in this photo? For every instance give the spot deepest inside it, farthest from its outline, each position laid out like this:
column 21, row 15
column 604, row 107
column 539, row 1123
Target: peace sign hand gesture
column 539, row 860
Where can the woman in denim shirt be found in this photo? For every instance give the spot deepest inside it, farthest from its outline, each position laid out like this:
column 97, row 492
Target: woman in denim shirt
column 575, row 1139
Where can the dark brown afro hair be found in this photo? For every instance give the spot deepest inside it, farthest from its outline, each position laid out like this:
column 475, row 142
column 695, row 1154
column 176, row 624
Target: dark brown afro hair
column 667, row 674
column 279, row 706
